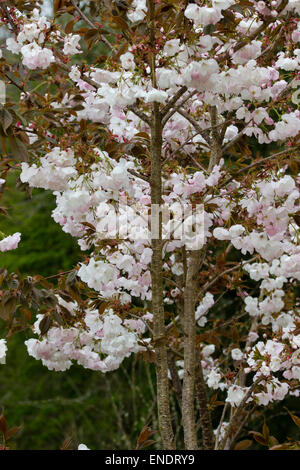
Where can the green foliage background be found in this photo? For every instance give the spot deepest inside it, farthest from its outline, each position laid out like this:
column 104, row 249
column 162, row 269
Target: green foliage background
column 45, row 248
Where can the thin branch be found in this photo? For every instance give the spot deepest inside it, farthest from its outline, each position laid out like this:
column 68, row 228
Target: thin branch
column 140, row 114
column 209, row 284
column 91, row 24
column 173, row 100
column 82, row 76
column 244, row 421
column 255, row 33
column 195, row 124
column 235, row 139
column 7, row 15
column 256, row 164
column 206, row 130
column 59, row 274
column 225, row 408
column 137, row 175
column 179, row 148
column 228, row 322
column 145, row 323
column 205, row 415
column 236, row 415
column 175, row 109
column 272, row 47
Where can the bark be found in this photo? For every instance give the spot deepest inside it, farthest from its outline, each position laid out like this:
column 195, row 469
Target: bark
column 159, row 333
column 216, row 144
column 235, row 421
column 189, row 326
column 190, row 297
column 205, row 418
column 161, row 361
column 240, row 420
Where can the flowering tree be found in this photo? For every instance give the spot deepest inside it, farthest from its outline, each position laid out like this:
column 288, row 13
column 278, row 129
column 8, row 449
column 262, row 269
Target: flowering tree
column 173, row 159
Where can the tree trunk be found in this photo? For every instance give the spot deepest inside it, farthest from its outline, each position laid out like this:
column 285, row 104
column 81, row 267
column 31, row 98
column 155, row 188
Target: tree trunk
column 161, row 361
column 205, row 418
column 189, row 325
column 216, row 144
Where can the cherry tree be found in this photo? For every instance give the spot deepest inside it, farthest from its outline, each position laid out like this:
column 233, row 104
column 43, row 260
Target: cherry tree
column 173, row 159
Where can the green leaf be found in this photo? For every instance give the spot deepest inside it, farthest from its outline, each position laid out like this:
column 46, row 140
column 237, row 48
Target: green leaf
column 18, row 149
column 8, row 305
column 6, row 120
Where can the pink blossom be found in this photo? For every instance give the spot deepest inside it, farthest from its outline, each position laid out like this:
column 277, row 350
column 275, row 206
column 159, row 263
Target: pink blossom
column 11, row 242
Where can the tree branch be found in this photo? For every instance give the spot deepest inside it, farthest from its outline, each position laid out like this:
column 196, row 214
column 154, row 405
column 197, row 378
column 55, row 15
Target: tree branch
column 236, row 415
column 161, row 358
column 256, row 164
column 173, row 101
column 205, row 417
column 91, row 24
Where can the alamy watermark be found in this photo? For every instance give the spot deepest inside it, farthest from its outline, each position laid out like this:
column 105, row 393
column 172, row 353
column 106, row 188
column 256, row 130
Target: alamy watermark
column 138, row 222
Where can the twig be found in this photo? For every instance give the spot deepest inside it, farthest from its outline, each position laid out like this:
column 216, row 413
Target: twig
column 140, row 114
column 175, row 98
column 227, row 271
column 91, row 24
column 138, row 175
column 195, row 124
column 235, row 416
column 255, row 164
column 175, row 109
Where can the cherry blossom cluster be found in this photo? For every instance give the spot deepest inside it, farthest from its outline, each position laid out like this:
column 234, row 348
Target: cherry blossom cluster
column 11, row 242
column 94, row 343
column 3, row 349
column 35, row 39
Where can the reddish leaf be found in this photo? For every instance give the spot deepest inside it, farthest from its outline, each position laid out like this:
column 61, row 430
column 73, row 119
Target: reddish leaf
column 295, row 418
column 66, row 444
column 3, row 423
column 242, row 445
column 12, row 431
column 45, row 325
column 266, row 432
column 147, row 444
column 259, row 438
column 285, row 446
column 69, row 27
column 143, row 440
